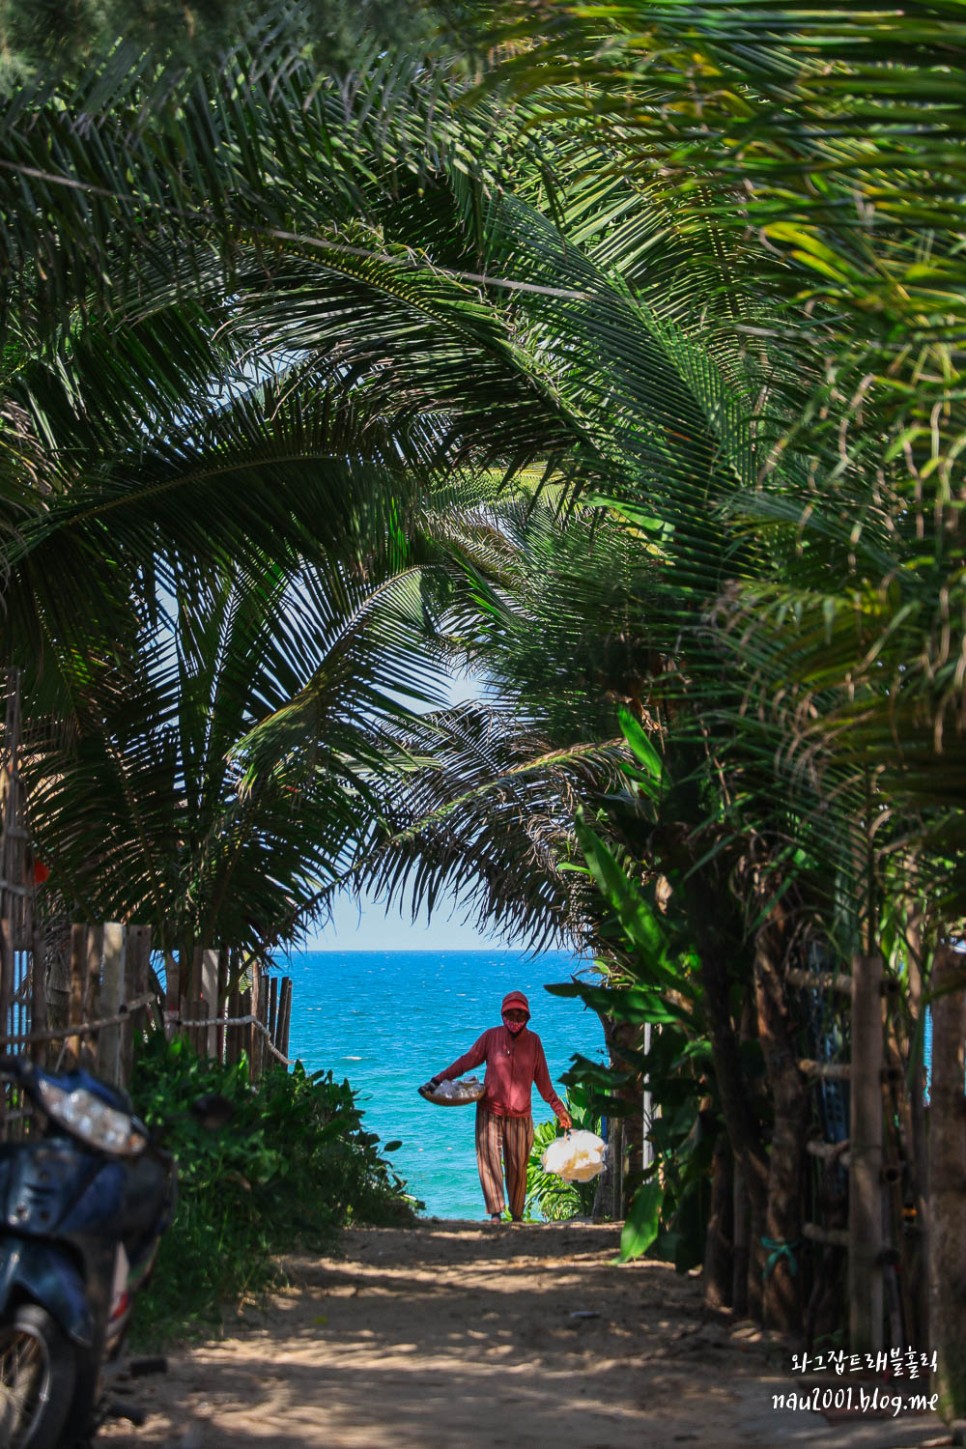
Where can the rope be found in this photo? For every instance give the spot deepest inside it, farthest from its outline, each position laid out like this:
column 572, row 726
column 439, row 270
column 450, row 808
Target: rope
column 172, row 1019
column 777, row 1248
column 125, row 1011
column 87, row 1028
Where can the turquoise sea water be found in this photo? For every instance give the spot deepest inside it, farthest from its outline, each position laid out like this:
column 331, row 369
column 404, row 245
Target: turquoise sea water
column 390, row 1020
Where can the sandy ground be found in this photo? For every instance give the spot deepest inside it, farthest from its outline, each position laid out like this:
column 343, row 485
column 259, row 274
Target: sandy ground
column 460, row 1336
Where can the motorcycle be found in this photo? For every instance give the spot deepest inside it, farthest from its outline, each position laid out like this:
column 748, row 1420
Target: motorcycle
column 83, row 1207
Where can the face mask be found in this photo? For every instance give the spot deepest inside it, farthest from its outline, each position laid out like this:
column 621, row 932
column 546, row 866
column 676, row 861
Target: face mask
column 514, row 1027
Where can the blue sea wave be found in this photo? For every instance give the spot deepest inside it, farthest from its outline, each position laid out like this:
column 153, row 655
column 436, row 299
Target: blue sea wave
column 388, row 1020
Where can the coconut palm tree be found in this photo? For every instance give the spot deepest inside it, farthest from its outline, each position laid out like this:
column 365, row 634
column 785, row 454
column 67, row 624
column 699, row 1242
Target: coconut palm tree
column 476, row 287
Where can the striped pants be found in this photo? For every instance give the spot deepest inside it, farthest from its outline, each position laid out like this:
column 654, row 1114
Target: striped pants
column 503, row 1145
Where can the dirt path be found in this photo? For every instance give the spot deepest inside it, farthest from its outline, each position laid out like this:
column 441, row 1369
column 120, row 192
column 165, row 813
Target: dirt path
column 459, row 1336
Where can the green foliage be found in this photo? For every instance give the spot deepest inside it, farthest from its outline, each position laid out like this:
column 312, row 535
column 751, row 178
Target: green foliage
column 643, row 1222
column 292, row 1165
column 69, row 34
column 657, row 984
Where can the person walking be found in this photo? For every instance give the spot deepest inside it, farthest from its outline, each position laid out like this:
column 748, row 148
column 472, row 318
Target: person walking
column 515, row 1063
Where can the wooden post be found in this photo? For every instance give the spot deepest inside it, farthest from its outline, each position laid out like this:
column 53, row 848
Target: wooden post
column 917, row 1232
column 38, row 1000
column 647, row 1104
column 273, row 1010
column 233, row 1033
column 243, row 1035
column 222, row 1001
column 947, row 1182
column 285, row 1015
column 865, row 1150
column 200, row 1034
column 255, row 1039
column 78, row 985
column 209, row 995
column 264, row 1055
column 194, row 983
column 7, row 966
column 172, row 993
column 136, row 983
column 111, row 996
column 6, row 974
column 94, row 950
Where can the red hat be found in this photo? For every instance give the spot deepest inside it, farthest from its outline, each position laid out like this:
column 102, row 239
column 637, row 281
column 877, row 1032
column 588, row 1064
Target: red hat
column 515, row 1001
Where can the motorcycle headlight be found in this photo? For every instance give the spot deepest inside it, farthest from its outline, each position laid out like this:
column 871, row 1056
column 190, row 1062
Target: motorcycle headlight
column 93, row 1121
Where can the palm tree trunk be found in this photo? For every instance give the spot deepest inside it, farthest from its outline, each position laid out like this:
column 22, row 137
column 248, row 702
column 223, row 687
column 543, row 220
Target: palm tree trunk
column 741, row 1120
column 782, row 1296
column 719, row 1245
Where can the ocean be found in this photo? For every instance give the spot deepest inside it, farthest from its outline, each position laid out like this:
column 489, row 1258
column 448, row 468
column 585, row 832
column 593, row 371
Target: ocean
column 389, row 1020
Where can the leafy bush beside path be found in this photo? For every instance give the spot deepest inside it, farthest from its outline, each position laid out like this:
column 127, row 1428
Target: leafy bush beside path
column 292, row 1166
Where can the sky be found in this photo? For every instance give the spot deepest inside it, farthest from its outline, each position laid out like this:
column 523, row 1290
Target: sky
column 367, row 925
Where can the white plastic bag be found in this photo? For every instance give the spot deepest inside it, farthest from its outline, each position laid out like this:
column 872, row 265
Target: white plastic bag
column 577, row 1157
column 466, row 1090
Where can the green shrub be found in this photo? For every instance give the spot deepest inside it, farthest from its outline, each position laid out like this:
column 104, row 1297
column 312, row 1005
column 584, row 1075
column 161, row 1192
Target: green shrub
column 291, row 1166
column 549, row 1196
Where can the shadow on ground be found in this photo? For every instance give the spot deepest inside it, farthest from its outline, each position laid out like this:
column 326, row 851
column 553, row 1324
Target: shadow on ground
column 457, row 1336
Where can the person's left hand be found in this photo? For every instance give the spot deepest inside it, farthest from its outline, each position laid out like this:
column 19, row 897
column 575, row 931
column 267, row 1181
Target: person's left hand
column 566, row 1121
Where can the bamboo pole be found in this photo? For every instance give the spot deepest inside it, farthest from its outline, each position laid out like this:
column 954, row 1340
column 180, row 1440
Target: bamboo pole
column 830, row 1237
column 865, row 1152
column 839, row 981
column 827, row 1150
column 827, row 1071
column 947, row 1182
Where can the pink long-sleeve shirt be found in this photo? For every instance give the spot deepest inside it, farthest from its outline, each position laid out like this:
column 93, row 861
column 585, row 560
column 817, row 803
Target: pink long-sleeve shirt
column 513, row 1066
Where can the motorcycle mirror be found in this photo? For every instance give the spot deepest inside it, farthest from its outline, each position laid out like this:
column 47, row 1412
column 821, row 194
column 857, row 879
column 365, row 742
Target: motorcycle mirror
column 212, row 1110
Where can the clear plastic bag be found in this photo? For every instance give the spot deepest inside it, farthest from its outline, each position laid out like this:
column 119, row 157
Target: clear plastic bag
column 576, row 1157
column 454, row 1094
